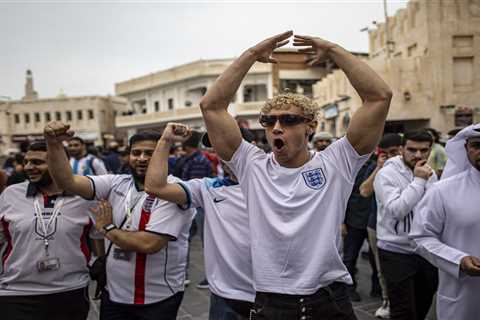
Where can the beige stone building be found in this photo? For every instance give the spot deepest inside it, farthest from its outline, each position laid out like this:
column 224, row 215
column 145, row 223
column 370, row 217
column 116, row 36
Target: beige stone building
column 92, row 117
column 429, row 53
column 174, row 94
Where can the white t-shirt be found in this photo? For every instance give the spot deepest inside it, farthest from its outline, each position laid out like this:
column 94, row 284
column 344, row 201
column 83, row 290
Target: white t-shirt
column 295, row 216
column 144, row 278
column 228, row 262
column 21, row 231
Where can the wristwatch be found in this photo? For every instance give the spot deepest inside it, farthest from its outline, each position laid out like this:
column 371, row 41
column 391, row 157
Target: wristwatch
column 109, row 227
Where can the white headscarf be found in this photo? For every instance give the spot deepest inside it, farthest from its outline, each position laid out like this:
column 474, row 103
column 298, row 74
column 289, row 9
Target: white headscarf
column 457, row 155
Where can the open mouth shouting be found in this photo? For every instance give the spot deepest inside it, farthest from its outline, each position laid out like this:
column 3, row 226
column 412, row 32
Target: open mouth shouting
column 278, row 145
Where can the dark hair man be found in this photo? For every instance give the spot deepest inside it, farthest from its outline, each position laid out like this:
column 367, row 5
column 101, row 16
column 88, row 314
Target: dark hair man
column 17, row 175
column 146, row 269
column 82, row 163
column 399, row 186
column 227, row 238
column 446, row 228
column 296, row 199
column 390, row 146
column 45, row 274
column 111, row 157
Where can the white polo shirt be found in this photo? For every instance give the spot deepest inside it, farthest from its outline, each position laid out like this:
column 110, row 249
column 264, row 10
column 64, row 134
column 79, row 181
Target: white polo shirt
column 21, row 231
column 295, row 216
column 228, row 262
column 145, row 278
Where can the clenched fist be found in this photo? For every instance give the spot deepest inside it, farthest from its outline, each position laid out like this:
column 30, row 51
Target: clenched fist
column 57, row 132
column 176, row 132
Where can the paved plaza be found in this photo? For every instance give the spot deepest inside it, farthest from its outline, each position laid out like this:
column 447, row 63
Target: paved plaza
column 196, row 301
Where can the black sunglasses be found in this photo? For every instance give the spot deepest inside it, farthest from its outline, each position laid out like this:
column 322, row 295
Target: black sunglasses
column 284, row 119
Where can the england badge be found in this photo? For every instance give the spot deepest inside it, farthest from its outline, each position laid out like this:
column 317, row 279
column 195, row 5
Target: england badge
column 314, row 179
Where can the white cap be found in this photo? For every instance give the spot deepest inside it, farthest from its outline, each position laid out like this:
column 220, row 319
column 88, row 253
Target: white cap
column 322, row 135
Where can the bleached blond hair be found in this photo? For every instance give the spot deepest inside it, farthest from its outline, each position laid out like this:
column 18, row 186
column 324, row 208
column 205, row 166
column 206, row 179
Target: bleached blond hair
column 286, row 100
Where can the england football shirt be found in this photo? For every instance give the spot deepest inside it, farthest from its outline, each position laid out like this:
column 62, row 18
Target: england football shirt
column 295, row 216
column 228, row 263
column 21, row 231
column 144, row 278
column 88, row 165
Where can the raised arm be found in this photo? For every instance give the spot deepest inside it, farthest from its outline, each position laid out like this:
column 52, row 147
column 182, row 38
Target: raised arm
column 366, row 188
column 156, row 179
column 55, row 133
column 366, row 126
column 222, row 128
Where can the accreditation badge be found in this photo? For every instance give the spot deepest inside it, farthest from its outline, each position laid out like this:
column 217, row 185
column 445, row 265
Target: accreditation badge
column 120, row 254
column 48, row 264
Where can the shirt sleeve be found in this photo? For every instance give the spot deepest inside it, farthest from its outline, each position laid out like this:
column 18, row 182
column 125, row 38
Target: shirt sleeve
column 245, row 154
column 102, row 185
column 168, row 219
column 428, row 224
column 3, row 208
column 193, row 189
column 99, row 167
column 345, row 158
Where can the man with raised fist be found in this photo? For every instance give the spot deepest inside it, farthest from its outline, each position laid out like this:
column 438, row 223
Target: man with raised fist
column 228, row 264
column 146, row 237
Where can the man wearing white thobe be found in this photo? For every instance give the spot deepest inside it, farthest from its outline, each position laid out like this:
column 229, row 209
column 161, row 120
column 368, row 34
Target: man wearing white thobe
column 446, row 228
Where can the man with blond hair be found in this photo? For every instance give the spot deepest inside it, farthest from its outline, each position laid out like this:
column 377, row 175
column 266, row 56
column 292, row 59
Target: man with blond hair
column 296, row 199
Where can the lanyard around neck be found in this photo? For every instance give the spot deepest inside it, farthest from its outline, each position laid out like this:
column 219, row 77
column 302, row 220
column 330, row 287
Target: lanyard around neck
column 129, row 206
column 39, row 215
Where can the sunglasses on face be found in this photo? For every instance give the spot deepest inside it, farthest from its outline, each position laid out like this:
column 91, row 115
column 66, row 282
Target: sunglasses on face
column 284, row 119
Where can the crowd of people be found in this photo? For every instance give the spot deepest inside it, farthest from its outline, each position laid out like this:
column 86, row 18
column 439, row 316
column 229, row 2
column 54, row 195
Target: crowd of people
column 281, row 230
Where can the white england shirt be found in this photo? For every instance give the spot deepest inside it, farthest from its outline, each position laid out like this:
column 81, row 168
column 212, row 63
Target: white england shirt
column 21, row 232
column 145, row 278
column 228, row 262
column 295, row 216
